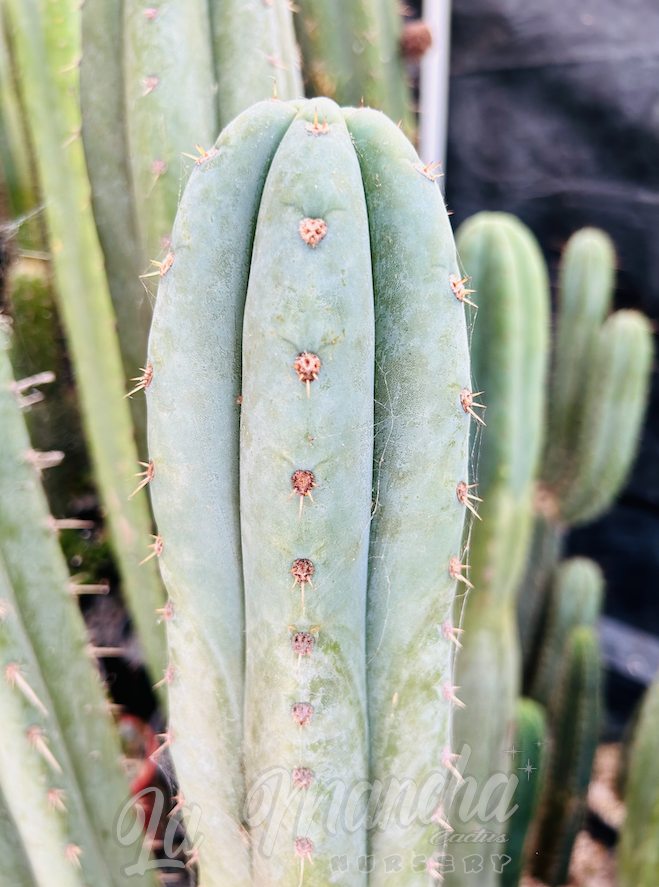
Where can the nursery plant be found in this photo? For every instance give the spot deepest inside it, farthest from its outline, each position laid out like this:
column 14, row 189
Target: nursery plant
column 299, row 418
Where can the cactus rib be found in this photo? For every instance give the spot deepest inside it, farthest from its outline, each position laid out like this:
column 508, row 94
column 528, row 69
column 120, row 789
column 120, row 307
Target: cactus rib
column 422, row 365
column 105, row 141
column 314, row 712
column 193, row 417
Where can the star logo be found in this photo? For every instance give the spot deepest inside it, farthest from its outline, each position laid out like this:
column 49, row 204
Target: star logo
column 514, row 751
column 528, row 769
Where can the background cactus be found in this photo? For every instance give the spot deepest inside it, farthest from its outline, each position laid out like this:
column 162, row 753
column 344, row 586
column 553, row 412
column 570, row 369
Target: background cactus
column 59, row 762
column 575, row 599
column 509, row 349
column 598, row 397
column 638, row 853
column 531, row 744
column 156, row 81
column 351, row 53
column 575, row 718
column 47, row 44
column 305, row 377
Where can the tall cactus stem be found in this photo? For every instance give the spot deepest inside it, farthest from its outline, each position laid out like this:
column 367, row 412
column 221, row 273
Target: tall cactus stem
column 47, row 41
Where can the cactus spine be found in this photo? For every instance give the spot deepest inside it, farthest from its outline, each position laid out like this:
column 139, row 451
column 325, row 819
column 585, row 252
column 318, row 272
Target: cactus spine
column 59, row 771
column 323, row 261
column 509, row 348
column 530, row 740
column 574, row 716
column 638, row 853
column 47, row 42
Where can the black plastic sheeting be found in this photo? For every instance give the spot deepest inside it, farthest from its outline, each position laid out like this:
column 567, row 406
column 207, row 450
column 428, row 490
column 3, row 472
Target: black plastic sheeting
column 554, row 116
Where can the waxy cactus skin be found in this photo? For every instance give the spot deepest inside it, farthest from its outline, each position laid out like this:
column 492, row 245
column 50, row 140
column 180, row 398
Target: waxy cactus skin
column 310, row 242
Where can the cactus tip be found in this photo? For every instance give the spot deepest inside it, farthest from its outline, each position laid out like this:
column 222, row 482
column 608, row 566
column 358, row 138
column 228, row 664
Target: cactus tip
column 318, row 129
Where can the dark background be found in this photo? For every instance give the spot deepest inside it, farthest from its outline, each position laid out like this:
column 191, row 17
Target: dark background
column 554, row 116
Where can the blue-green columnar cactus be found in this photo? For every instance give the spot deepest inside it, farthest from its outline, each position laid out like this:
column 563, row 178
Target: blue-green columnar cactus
column 509, row 356
column 308, row 354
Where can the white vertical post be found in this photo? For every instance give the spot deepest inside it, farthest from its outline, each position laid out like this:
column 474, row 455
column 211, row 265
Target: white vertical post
column 433, row 85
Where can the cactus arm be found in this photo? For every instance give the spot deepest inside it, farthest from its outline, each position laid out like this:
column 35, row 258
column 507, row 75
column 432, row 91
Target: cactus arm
column 575, row 730
column 534, row 589
column 46, row 35
column 585, row 296
column 421, row 443
column 170, row 106
column 192, row 402
column 254, row 46
column 16, row 871
column 320, row 300
column 22, row 774
column 614, row 406
column 25, row 703
column 106, row 152
column 398, row 99
column 530, row 738
column 14, row 152
column 52, row 622
column 638, row 853
column 576, row 599
column 340, row 51
column 509, row 352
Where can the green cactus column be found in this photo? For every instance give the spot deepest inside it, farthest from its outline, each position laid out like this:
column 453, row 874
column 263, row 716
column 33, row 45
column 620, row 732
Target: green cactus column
column 350, row 52
column 105, row 140
column 509, row 356
column 195, row 351
column 421, row 442
column 575, row 599
column 597, row 403
column 170, row 105
column 530, row 761
column 574, row 716
column 638, row 853
column 48, row 46
column 59, row 759
column 254, row 49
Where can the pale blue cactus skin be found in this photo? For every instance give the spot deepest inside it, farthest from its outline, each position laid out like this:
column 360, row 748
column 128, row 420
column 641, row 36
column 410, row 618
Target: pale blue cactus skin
column 247, row 293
